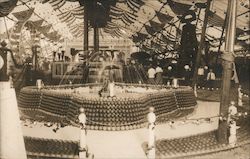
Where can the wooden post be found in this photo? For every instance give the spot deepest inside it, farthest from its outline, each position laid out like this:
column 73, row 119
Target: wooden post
column 228, row 59
column 96, row 39
column 221, row 38
column 201, row 44
column 86, row 28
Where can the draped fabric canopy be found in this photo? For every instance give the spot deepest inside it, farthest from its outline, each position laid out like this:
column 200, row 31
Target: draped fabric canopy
column 6, row 6
column 163, row 20
column 143, row 21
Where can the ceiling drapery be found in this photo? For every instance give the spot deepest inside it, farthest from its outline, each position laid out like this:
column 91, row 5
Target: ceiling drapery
column 6, row 7
column 143, row 21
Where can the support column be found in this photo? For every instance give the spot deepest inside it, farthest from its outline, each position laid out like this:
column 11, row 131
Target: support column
column 11, row 136
column 228, row 59
column 96, row 39
column 202, row 42
column 86, row 29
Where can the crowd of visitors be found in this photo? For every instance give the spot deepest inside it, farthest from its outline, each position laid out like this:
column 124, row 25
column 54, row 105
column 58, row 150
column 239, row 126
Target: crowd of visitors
column 158, row 75
column 155, row 75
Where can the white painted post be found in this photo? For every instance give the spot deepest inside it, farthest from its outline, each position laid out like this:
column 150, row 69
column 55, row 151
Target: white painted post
column 232, row 110
column 39, row 83
column 232, row 137
column 240, row 95
column 151, row 132
column 111, row 89
column 195, row 90
column 175, row 83
column 83, row 135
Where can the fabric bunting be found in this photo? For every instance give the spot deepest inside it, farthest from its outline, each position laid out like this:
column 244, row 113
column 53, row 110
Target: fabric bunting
column 56, row 4
column 135, row 39
column 45, row 1
column 53, row 35
column 127, row 18
column 155, row 45
column 146, row 49
column 179, row 8
column 38, row 23
column 6, row 7
column 111, row 25
column 131, row 16
column 150, row 30
column 215, row 20
column 76, row 26
column 64, row 15
column 110, row 32
column 71, row 20
column 113, row 16
column 164, row 19
column 141, row 36
column 45, row 29
column 23, row 15
column 115, row 10
column 156, row 26
column 77, row 32
column 67, row 18
column 166, row 39
column 124, row 7
column 125, row 21
column 134, row 5
column 78, row 10
column 70, row 16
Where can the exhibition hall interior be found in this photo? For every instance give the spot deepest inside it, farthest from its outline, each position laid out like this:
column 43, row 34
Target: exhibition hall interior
column 124, row 79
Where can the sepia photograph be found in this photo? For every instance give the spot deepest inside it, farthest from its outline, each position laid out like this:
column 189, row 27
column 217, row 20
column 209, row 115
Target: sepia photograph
column 124, row 79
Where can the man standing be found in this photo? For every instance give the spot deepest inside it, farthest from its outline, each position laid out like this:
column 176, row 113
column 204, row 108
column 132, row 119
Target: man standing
column 201, row 73
column 210, row 79
column 151, row 75
column 158, row 74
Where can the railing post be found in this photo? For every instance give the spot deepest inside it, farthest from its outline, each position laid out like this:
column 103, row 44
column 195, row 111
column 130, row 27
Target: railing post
column 232, row 111
column 83, row 150
column 151, row 133
column 240, row 95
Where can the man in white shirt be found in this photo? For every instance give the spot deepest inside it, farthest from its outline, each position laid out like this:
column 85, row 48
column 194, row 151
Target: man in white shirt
column 158, row 72
column 151, row 75
column 211, row 78
column 201, row 73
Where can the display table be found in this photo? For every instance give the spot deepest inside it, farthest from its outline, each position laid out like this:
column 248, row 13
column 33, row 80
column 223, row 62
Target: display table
column 127, row 110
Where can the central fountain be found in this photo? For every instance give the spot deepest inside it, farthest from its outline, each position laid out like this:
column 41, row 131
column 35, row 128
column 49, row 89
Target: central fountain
column 126, row 110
